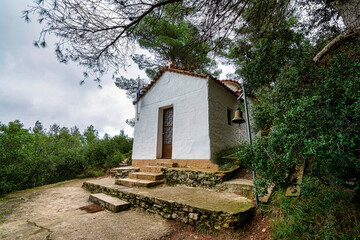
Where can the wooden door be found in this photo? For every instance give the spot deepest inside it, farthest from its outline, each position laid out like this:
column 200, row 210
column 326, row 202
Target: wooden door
column 167, row 133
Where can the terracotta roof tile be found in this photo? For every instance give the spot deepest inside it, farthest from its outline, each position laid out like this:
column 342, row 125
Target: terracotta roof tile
column 234, row 83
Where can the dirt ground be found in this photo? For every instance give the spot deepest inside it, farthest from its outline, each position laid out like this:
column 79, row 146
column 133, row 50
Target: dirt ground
column 243, row 173
column 257, row 229
column 52, row 212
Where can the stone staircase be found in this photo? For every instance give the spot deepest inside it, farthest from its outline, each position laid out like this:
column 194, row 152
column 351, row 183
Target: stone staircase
column 123, row 171
column 196, row 206
column 148, row 176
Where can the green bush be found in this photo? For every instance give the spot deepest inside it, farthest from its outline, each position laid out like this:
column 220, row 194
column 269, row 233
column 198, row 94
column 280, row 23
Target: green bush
column 321, row 212
column 311, row 112
column 30, row 158
column 314, row 120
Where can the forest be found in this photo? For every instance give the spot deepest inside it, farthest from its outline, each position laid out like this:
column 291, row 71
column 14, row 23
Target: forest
column 36, row 156
column 299, row 61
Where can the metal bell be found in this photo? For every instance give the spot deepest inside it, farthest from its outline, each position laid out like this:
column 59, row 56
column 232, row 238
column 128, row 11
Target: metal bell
column 238, row 118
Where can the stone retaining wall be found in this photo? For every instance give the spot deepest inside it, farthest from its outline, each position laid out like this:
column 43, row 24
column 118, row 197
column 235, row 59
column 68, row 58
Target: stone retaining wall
column 193, row 178
column 173, row 210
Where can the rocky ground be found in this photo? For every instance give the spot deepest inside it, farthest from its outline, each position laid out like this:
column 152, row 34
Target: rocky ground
column 52, row 212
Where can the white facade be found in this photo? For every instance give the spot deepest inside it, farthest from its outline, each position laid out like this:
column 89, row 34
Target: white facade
column 188, row 96
column 222, row 135
column 200, row 119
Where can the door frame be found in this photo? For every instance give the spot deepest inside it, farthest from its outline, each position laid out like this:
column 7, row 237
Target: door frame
column 159, row 139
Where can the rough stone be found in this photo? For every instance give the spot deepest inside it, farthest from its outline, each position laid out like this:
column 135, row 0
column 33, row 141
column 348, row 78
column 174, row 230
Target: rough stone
column 123, row 172
column 194, row 216
column 157, row 206
column 230, row 213
column 196, row 178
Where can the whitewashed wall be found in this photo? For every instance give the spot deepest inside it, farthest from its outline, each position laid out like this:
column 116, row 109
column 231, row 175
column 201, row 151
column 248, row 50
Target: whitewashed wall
column 223, row 135
column 188, row 96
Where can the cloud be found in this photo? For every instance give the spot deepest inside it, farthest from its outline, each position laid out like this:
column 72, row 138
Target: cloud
column 35, row 86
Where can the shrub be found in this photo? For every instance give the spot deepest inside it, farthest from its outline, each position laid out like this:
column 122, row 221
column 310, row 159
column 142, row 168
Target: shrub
column 34, row 158
column 312, row 115
column 322, row 212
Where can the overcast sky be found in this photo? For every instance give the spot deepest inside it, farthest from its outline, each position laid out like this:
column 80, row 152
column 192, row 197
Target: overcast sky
column 35, row 86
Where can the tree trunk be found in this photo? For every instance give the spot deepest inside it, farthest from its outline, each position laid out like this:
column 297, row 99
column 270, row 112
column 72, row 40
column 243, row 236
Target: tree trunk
column 349, row 10
column 334, row 42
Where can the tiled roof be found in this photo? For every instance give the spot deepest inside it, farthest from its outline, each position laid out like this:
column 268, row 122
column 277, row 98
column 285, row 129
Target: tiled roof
column 235, row 84
column 230, row 81
column 163, row 70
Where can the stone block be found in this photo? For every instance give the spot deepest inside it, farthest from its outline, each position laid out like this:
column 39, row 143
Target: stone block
column 137, row 182
column 152, row 169
column 146, row 176
column 194, row 216
column 111, row 203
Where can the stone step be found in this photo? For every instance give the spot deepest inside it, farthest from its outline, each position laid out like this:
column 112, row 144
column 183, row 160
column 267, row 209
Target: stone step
column 122, row 168
column 111, row 203
column 195, row 206
column 123, row 172
column 164, row 164
column 239, row 184
column 137, row 182
column 152, row 169
column 245, row 187
column 146, row 176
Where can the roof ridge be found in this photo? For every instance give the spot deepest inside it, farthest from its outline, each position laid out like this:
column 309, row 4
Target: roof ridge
column 185, row 72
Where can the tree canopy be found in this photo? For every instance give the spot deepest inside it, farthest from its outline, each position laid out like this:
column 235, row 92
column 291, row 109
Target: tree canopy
column 100, row 35
column 30, row 158
column 172, row 40
column 176, row 41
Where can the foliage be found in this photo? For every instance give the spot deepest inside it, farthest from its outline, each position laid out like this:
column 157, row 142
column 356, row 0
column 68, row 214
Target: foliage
column 321, row 212
column 130, row 122
column 34, row 158
column 311, row 114
column 264, row 58
column 173, row 39
column 131, row 86
column 170, row 39
column 314, row 114
column 87, row 35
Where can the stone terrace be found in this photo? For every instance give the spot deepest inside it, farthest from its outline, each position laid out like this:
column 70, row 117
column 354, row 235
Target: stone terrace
column 186, row 204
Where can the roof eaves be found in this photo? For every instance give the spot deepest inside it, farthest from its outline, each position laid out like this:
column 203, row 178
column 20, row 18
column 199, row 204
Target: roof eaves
column 235, row 93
